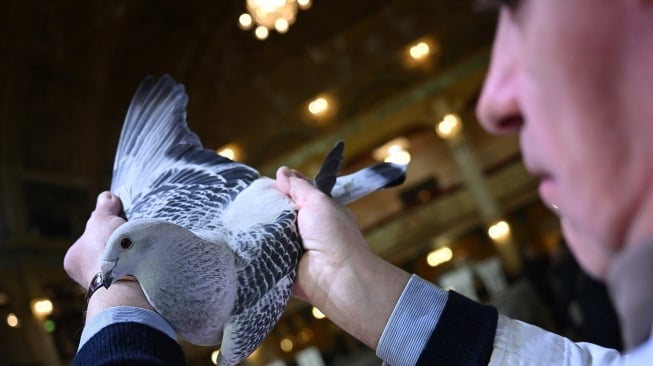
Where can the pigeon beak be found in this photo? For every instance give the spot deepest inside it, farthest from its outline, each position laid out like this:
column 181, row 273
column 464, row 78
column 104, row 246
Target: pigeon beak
column 107, row 269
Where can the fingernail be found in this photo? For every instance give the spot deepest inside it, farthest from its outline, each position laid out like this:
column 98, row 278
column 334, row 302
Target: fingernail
column 296, row 173
column 287, row 172
column 104, row 196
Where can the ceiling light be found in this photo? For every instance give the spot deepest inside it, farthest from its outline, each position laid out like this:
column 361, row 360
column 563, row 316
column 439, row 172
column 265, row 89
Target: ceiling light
column 214, row 356
column 499, row 231
column 439, row 256
column 261, row 32
column 393, row 151
column 318, row 106
column 231, row 151
column 12, row 320
column 245, row 21
column 266, row 15
column 449, row 127
column 317, row 314
column 42, row 308
column 419, row 50
column 286, row 344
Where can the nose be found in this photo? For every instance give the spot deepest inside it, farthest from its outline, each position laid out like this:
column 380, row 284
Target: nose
column 498, row 109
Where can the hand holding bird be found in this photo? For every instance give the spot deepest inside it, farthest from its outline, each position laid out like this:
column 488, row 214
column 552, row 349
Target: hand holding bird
column 213, row 245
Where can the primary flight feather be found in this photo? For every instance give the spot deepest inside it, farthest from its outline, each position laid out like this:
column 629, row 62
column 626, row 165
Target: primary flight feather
column 213, row 244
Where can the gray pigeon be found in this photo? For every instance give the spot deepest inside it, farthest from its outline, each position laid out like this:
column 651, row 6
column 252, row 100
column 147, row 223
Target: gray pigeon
column 213, row 244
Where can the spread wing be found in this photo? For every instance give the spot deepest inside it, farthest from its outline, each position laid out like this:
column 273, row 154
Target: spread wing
column 161, row 169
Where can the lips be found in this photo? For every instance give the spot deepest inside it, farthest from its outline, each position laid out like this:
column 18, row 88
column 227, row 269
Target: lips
column 547, row 185
column 546, row 189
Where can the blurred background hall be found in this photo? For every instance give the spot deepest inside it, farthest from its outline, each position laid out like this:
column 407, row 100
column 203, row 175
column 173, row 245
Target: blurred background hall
column 274, row 82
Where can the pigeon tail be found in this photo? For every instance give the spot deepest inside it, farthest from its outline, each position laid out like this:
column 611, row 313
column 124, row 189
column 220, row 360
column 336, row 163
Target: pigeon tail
column 327, row 175
column 349, row 188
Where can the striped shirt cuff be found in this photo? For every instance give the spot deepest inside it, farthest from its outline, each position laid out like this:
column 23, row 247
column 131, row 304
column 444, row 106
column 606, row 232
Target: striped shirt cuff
column 412, row 322
column 125, row 314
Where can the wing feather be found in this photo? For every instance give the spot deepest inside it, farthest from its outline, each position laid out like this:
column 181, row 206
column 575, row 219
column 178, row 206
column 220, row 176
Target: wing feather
column 158, row 154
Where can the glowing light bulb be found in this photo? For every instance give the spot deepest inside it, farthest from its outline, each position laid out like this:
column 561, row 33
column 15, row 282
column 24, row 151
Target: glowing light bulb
column 286, row 344
column 261, row 32
column 281, row 25
column 304, row 4
column 449, row 127
column 12, row 320
column 317, row 314
column 42, row 307
column 419, row 50
column 439, row 256
column 318, row 106
column 214, row 356
column 397, row 155
column 245, row 21
column 499, row 231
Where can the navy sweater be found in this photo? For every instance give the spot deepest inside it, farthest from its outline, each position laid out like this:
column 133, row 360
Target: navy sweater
column 464, row 336
column 130, row 344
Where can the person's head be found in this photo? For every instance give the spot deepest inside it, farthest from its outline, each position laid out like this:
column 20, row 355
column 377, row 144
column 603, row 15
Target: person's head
column 575, row 79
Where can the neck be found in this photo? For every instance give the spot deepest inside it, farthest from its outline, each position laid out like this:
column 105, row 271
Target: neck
column 630, row 289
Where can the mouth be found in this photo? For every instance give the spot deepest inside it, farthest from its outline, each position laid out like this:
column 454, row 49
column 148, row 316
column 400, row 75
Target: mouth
column 546, row 186
column 547, row 193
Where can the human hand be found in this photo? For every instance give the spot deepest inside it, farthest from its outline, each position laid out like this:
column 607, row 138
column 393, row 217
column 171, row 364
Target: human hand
column 329, row 232
column 338, row 273
column 83, row 259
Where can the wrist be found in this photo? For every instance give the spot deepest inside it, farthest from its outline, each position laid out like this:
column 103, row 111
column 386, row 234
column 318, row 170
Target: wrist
column 368, row 288
column 121, row 293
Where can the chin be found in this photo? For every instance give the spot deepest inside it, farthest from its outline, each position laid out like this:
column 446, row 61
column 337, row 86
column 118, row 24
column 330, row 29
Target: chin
column 597, row 269
column 588, row 252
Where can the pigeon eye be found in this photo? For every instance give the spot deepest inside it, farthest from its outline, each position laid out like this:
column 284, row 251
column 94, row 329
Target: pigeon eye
column 125, row 243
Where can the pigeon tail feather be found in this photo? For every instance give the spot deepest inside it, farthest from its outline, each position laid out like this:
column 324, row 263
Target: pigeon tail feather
column 349, row 188
column 326, row 177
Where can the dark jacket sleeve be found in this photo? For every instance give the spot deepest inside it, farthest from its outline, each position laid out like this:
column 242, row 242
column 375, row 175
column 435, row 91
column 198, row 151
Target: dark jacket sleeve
column 130, row 344
column 464, row 334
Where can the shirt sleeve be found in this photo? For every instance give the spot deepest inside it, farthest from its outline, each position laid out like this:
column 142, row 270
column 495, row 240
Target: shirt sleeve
column 431, row 326
column 124, row 314
column 411, row 323
column 517, row 342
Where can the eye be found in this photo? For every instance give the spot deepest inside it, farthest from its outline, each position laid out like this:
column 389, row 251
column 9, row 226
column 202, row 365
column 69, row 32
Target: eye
column 125, row 243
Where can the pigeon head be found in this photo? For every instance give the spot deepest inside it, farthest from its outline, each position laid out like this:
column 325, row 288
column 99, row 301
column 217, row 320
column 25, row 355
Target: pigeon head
column 190, row 281
column 129, row 246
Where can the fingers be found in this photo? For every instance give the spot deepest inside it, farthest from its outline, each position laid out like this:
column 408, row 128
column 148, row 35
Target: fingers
column 82, row 259
column 283, row 179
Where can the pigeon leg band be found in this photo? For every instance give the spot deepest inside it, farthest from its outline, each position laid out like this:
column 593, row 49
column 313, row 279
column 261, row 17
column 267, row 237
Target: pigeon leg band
column 96, row 283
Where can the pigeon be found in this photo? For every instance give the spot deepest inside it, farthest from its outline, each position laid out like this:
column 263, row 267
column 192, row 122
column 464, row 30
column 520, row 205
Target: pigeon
column 213, row 244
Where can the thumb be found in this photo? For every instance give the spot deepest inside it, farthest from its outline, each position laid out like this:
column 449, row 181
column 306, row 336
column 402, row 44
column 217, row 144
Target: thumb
column 296, row 186
column 108, row 204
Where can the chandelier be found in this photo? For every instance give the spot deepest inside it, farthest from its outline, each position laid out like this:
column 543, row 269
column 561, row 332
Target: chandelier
column 265, row 15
